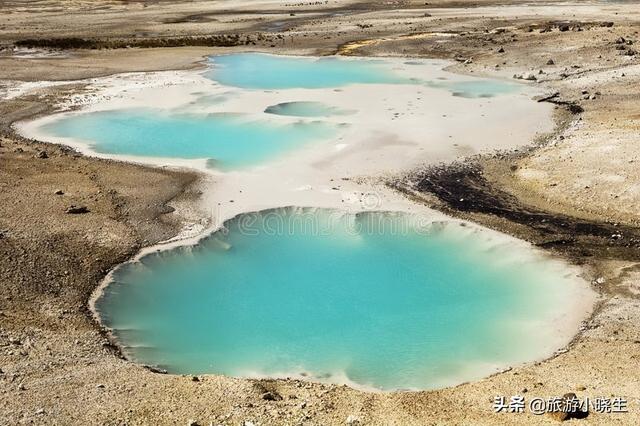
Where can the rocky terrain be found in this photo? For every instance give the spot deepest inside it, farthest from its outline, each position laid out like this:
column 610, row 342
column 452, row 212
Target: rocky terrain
column 65, row 219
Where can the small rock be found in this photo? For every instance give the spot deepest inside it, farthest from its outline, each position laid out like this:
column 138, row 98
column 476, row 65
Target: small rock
column 100, row 386
column 530, row 77
column 192, row 423
column 271, row 396
column 501, row 50
column 77, row 210
column 568, row 409
column 563, row 27
column 43, row 154
column 40, row 411
column 59, row 192
column 551, row 62
column 353, row 420
column 581, row 388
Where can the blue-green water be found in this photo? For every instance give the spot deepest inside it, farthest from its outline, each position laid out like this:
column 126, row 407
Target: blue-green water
column 231, row 141
column 260, row 71
column 481, row 88
column 372, row 299
column 306, row 109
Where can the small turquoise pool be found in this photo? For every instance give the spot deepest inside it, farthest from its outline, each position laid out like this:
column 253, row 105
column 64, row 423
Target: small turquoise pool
column 261, row 71
column 306, row 109
column 230, row 141
column 376, row 300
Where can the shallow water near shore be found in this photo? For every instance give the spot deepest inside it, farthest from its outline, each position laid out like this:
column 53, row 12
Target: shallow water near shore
column 376, row 300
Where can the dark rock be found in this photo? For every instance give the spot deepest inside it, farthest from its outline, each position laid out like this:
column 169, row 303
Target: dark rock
column 607, row 24
column 77, row 210
column 501, row 50
column 59, row 192
column 271, row 396
column 43, row 154
column 563, row 27
column 551, row 62
column 152, row 368
column 165, row 209
column 570, row 407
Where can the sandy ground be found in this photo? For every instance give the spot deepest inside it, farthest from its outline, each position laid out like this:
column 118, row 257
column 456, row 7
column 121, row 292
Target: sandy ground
column 57, row 368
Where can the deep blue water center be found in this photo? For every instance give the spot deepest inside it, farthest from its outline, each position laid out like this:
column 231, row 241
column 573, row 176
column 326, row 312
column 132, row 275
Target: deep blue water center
column 373, row 299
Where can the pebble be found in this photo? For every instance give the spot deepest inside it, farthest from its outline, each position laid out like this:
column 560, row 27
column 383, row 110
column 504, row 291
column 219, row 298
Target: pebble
column 353, row 420
column 77, row 210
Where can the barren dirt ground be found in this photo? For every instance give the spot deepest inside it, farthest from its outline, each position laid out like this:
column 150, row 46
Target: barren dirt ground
column 56, row 367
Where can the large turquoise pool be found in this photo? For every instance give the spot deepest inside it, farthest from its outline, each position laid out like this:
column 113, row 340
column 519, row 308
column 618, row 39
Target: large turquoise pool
column 376, row 300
